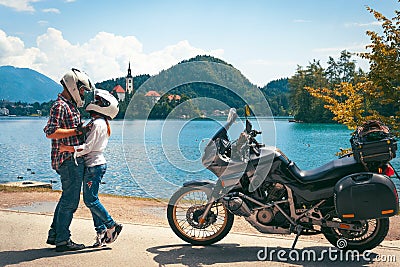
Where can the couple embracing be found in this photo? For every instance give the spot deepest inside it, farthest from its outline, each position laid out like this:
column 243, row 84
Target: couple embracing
column 77, row 156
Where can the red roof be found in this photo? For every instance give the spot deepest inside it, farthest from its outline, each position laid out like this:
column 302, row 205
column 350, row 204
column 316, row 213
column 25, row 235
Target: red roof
column 152, row 93
column 118, row 88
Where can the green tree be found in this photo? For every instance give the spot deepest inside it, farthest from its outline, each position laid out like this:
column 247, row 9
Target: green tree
column 305, row 107
column 346, row 92
column 342, row 70
column 277, row 94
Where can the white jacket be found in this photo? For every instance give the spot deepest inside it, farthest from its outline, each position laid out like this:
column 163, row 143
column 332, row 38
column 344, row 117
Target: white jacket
column 96, row 142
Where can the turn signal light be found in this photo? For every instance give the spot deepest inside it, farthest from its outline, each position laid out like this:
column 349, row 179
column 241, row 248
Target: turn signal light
column 384, row 212
column 389, row 171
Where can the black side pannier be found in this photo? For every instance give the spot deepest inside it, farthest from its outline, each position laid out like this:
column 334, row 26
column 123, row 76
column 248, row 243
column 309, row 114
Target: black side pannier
column 364, row 196
column 372, row 142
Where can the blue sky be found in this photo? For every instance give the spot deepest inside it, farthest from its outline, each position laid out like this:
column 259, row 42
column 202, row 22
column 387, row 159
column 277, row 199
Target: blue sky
column 265, row 40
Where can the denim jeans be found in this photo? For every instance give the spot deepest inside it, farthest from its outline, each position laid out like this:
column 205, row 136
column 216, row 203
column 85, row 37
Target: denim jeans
column 71, row 177
column 91, row 183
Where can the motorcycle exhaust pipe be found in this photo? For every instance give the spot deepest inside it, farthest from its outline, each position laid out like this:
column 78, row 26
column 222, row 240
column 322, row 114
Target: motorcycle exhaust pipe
column 236, row 205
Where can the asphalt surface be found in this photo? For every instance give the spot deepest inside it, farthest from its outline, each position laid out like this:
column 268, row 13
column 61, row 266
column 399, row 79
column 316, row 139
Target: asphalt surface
column 23, row 237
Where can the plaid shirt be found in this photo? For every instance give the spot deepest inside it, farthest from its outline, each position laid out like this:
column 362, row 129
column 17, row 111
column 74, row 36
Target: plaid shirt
column 64, row 115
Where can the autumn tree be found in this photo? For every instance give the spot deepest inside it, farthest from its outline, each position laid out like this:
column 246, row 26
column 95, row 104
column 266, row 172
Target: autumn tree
column 376, row 96
column 384, row 60
column 346, row 101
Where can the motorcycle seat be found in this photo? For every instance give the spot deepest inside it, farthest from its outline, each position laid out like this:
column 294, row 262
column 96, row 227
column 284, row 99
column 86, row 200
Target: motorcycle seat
column 332, row 170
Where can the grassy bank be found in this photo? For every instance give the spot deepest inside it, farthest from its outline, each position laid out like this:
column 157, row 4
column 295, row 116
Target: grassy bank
column 16, row 189
column 6, row 188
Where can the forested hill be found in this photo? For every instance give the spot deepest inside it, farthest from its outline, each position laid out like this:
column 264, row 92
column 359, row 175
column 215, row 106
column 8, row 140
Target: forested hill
column 277, row 93
column 205, row 58
column 225, row 84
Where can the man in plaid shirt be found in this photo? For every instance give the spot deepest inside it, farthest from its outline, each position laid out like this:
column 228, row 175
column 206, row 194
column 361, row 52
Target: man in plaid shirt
column 65, row 127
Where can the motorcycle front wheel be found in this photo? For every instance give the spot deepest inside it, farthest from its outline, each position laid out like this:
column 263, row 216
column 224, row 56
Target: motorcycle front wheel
column 185, row 209
column 372, row 234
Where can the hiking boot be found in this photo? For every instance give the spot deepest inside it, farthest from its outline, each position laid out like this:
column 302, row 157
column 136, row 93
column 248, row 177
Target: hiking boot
column 100, row 239
column 51, row 237
column 113, row 233
column 69, row 246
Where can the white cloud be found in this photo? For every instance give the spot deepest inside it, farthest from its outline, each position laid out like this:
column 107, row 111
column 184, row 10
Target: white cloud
column 103, row 57
column 354, row 48
column 13, row 52
column 43, row 22
column 19, row 5
column 51, row 10
column 368, row 24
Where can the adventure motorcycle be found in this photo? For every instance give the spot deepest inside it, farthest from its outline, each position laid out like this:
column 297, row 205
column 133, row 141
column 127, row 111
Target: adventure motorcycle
column 342, row 199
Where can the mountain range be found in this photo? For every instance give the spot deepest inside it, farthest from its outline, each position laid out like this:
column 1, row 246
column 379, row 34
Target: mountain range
column 26, row 85
column 29, row 86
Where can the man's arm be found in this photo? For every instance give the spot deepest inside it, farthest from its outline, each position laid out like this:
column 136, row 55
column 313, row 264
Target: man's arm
column 52, row 128
column 63, row 133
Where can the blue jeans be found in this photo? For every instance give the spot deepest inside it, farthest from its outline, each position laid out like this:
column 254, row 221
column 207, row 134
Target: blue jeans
column 91, row 182
column 71, row 177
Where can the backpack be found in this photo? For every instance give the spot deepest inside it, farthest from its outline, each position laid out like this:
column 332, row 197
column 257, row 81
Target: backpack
column 373, row 144
column 372, row 130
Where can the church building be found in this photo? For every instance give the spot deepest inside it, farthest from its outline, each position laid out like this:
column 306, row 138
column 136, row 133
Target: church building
column 129, row 81
column 129, row 87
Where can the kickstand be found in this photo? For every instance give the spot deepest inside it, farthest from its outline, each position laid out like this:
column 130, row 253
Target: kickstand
column 298, row 229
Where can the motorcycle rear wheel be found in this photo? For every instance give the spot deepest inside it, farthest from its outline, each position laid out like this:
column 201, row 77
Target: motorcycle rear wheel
column 374, row 232
column 185, row 208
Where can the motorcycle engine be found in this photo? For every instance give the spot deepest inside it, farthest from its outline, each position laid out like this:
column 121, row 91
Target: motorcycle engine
column 265, row 216
column 272, row 217
column 275, row 191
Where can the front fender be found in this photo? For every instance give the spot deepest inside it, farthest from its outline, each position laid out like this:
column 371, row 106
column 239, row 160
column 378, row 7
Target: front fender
column 206, row 186
column 206, row 183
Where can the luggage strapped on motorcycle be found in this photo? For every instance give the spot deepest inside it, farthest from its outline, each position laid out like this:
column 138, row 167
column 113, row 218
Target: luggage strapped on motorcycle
column 372, row 143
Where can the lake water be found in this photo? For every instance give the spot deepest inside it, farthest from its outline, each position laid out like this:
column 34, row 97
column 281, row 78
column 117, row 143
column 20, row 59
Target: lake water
column 153, row 158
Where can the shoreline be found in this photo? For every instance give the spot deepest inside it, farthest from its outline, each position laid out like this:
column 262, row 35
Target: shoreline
column 128, row 209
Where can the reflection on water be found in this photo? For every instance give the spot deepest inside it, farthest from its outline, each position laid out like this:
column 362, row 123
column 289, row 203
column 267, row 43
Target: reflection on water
column 170, row 150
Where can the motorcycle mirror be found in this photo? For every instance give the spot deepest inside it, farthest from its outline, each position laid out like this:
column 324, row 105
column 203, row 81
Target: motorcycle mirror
column 232, row 116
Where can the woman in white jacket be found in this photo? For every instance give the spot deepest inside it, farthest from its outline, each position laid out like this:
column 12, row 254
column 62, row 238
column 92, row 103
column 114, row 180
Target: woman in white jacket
column 102, row 109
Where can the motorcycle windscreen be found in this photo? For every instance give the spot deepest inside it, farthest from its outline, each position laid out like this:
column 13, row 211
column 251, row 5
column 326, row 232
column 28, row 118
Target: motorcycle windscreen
column 364, row 196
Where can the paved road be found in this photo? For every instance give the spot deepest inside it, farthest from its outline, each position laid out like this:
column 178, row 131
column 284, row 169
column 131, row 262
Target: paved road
column 23, row 244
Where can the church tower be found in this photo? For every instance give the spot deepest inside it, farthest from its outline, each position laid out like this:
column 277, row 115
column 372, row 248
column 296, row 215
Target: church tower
column 129, row 81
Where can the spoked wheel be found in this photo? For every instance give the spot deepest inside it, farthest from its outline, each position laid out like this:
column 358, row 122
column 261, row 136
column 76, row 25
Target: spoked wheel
column 372, row 233
column 185, row 209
